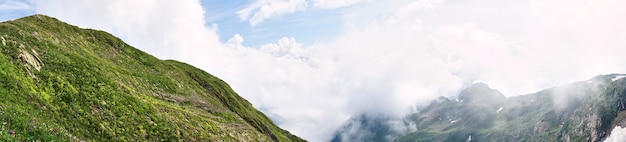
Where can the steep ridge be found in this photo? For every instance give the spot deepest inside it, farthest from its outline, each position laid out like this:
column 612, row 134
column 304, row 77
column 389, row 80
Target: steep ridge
column 61, row 82
column 580, row 111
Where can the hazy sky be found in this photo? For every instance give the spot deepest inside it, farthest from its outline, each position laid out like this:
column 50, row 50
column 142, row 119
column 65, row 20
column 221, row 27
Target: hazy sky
column 312, row 64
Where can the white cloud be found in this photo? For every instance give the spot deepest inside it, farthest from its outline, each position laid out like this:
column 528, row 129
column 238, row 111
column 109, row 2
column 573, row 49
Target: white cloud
column 262, row 10
column 285, row 47
column 420, row 5
column 412, row 53
column 11, row 5
column 331, row 4
column 617, row 135
column 388, row 67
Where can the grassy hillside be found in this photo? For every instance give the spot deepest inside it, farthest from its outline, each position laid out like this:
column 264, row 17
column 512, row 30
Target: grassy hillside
column 60, row 82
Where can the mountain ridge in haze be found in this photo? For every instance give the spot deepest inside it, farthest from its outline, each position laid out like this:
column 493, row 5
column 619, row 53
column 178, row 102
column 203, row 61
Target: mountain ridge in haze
column 580, row 111
column 64, row 83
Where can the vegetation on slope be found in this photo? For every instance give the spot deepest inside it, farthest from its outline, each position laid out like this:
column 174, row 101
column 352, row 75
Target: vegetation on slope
column 581, row 111
column 60, row 82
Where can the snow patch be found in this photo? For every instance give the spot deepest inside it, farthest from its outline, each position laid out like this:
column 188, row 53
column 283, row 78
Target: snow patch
column 618, row 77
column 500, row 109
column 457, row 100
column 454, row 121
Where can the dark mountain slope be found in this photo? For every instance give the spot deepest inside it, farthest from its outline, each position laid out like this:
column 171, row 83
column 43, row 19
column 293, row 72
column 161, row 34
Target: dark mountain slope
column 60, row 82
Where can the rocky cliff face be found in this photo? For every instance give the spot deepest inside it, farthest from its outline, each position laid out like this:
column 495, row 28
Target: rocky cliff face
column 59, row 82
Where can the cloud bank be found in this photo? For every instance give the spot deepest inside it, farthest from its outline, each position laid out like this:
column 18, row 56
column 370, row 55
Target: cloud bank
column 408, row 54
column 261, row 10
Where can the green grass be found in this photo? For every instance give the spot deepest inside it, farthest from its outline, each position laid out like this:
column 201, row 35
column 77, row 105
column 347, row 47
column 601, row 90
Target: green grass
column 93, row 86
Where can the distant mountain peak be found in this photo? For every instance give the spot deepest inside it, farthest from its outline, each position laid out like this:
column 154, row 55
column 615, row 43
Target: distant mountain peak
column 480, row 92
column 579, row 111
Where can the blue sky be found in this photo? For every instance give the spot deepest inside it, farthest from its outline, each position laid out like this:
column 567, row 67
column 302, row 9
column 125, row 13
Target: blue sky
column 12, row 9
column 313, row 64
column 309, row 27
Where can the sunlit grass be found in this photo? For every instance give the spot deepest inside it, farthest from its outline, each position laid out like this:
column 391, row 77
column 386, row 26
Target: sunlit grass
column 93, row 86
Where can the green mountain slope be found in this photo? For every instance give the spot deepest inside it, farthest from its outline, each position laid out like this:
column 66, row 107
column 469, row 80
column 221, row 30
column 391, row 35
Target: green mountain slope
column 60, row 82
column 580, row 111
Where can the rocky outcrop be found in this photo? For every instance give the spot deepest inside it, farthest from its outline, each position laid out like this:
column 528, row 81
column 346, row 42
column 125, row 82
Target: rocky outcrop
column 541, row 127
